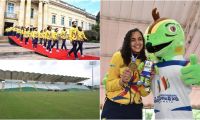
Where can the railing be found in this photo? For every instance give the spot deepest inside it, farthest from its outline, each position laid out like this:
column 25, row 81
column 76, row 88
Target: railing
column 10, row 15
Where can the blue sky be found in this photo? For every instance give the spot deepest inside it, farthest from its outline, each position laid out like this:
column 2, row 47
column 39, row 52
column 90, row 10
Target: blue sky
column 80, row 68
column 91, row 6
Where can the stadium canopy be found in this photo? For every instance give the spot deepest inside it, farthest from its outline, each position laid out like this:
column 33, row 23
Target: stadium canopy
column 26, row 76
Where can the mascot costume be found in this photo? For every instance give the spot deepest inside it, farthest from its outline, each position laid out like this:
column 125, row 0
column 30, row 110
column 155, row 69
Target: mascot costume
column 172, row 84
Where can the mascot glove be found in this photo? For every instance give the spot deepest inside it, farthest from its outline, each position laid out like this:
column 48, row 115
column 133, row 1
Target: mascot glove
column 191, row 74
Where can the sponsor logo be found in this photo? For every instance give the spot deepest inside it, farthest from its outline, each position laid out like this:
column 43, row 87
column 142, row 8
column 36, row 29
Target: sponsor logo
column 164, row 82
column 166, row 98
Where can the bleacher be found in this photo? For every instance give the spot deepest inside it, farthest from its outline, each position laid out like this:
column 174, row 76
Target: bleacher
column 27, row 87
column 1, row 85
column 9, row 86
column 41, row 86
column 52, row 87
column 72, row 86
column 19, row 85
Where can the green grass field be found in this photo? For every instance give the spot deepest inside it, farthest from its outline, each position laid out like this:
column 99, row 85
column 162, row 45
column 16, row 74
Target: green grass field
column 49, row 105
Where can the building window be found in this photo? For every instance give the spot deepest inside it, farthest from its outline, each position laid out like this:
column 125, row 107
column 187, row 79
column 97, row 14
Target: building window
column 62, row 20
column 10, row 8
column 86, row 27
column 32, row 13
column 90, row 26
column 53, row 19
column 82, row 24
column 70, row 22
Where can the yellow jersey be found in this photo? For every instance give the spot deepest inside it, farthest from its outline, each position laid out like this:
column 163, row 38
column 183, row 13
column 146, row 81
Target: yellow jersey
column 15, row 29
column 18, row 31
column 48, row 35
column 114, row 90
column 26, row 34
column 81, row 36
column 54, row 35
column 22, row 32
column 40, row 35
column 63, row 34
column 34, row 34
column 73, row 34
column 7, row 29
column 44, row 34
column 11, row 28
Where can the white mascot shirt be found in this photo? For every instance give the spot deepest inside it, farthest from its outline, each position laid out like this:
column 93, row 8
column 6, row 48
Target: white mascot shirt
column 171, row 95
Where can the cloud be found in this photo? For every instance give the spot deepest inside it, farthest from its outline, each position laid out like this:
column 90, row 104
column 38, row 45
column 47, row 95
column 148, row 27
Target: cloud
column 96, row 76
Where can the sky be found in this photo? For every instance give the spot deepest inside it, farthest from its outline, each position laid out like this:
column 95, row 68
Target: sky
column 78, row 68
column 91, row 6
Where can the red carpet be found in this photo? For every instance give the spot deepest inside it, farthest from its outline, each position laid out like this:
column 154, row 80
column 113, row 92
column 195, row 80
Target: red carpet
column 61, row 55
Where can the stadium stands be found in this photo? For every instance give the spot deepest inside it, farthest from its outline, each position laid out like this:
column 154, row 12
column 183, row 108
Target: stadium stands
column 19, row 85
column 71, row 86
column 41, row 86
column 27, row 81
column 1, row 85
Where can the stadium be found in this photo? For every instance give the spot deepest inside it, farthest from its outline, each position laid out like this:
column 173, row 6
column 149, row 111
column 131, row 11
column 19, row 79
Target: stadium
column 28, row 95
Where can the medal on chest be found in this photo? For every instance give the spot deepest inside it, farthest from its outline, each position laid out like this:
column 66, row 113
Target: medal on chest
column 133, row 65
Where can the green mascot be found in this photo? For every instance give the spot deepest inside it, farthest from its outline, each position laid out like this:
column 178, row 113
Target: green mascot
column 172, row 85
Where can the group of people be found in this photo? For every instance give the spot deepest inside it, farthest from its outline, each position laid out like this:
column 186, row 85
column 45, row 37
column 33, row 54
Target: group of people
column 50, row 37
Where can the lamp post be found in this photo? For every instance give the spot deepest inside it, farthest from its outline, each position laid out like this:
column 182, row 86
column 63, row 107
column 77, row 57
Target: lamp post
column 92, row 63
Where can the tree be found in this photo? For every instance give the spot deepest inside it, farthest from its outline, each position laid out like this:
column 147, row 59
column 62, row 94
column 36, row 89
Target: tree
column 94, row 34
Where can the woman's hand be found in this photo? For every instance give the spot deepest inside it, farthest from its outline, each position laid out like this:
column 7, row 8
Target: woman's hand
column 126, row 76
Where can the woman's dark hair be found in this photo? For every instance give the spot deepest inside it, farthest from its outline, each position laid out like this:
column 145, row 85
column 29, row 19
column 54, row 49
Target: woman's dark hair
column 126, row 50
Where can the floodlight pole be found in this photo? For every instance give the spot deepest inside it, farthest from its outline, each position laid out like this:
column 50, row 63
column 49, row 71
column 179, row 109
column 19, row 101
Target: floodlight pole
column 92, row 78
column 92, row 63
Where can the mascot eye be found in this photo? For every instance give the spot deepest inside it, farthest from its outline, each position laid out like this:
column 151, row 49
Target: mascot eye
column 147, row 37
column 172, row 28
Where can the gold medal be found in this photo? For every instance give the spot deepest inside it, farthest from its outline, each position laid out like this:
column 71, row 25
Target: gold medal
column 133, row 66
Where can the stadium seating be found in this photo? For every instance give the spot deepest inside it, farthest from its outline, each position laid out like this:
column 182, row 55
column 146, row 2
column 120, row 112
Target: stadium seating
column 72, row 86
column 19, row 85
column 41, row 86
column 1, row 85
column 11, row 86
column 52, row 87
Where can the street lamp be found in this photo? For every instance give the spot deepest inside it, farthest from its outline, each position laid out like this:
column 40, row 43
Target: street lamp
column 92, row 63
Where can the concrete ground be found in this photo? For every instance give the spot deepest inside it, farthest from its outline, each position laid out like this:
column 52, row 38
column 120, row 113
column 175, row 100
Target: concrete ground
column 12, row 52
